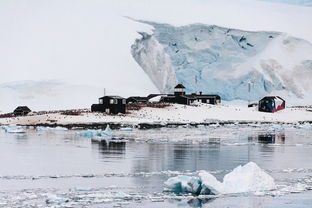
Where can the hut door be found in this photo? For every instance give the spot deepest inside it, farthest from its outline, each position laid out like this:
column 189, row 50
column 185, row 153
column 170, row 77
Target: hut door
column 107, row 110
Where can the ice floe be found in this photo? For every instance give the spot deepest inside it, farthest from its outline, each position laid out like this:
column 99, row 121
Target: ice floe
column 91, row 133
column 247, row 178
column 14, row 129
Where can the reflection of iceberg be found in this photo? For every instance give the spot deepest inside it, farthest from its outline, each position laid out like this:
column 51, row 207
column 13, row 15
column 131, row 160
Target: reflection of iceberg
column 247, row 178
column 14, row 129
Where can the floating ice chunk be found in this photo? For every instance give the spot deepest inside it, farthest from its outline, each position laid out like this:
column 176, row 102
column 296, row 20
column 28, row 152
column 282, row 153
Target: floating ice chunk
column 210, row 185
column 126, row 129
column 56, row 200
column 183, row 184
column 90, row 133
column 14, row 129
column 108, row 131
column 247, row 178
column 276, row 127
column 306, row 126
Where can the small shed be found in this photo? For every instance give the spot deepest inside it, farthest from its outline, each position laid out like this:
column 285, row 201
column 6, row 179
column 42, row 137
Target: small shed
column 21, row 111
column 110, row 104
column 271, row 104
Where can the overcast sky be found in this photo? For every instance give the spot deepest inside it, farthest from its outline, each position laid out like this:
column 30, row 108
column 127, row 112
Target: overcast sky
column 74, row 39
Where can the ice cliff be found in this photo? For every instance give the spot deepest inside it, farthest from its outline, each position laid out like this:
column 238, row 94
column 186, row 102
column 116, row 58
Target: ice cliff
column 226, row 61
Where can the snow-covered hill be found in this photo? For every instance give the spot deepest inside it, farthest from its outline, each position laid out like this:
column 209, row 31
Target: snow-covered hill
column 227, row 61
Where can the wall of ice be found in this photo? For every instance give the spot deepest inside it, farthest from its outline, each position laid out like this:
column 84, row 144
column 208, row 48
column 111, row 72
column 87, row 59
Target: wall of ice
column 225, row 61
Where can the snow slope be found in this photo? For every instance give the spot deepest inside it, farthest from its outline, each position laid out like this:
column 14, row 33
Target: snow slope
column 226, row 61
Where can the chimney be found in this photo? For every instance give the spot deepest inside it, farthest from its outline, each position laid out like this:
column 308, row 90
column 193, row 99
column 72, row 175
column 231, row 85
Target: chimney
column 200, row 92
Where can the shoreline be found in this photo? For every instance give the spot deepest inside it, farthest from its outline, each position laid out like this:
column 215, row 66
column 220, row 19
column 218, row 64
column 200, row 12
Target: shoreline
column 171, row 116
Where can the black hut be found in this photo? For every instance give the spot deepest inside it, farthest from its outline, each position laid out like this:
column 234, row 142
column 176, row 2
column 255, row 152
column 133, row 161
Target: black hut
column 21, row 111
column 110, row 105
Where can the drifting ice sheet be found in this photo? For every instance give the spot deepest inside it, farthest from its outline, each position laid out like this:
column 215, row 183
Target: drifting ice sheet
column 247, row 178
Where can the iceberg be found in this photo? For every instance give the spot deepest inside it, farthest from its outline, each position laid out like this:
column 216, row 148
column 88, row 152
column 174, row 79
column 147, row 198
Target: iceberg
column 210, row 185
column 248, row 178
column 183, row 184
column 243, row 179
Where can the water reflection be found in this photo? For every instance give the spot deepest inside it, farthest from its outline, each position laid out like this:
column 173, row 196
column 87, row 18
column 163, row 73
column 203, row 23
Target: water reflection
column 269, row 138
column 110, row 148
column 199, row 202
column 21, row 139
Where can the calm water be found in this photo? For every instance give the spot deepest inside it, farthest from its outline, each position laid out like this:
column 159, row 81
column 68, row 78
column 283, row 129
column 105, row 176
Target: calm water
column 62, row 169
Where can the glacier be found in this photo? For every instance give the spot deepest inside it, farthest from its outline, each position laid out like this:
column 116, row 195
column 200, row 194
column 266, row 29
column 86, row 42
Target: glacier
column 236, row 64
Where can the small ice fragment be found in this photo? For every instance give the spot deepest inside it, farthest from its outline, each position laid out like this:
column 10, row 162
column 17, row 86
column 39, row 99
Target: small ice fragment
column 14, row 129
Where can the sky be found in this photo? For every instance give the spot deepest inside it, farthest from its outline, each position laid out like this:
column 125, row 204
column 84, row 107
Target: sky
column 295, row 2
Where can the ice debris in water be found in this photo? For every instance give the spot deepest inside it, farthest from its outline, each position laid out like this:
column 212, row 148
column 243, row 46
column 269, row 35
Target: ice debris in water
column 52, row 199
column 90, row 133
column 247, row 178
column 14, row 129
column 306, row 126
column 126, row 129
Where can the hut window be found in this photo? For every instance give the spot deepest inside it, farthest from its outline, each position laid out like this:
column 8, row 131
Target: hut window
column 112, row 101
column 101, row 101
column 123, row 101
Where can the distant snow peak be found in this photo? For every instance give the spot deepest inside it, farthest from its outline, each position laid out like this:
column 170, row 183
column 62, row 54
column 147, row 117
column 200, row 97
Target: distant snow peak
column 226, row 61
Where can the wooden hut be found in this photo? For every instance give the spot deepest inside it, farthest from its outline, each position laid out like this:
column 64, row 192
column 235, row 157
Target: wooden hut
column 21, row 111
column 110, row 105
column 271, row 104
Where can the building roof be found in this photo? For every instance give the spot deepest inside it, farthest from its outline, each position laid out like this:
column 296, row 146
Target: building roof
column 272, row 98
column 191, row 97
column 112, row 96
column 154, row 95
column 179, row 86
column 138, row 98
column 22, row 108
column 207, row 96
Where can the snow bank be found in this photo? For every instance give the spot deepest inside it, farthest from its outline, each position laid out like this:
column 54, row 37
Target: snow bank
column 247, row 178
column 58, row 128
